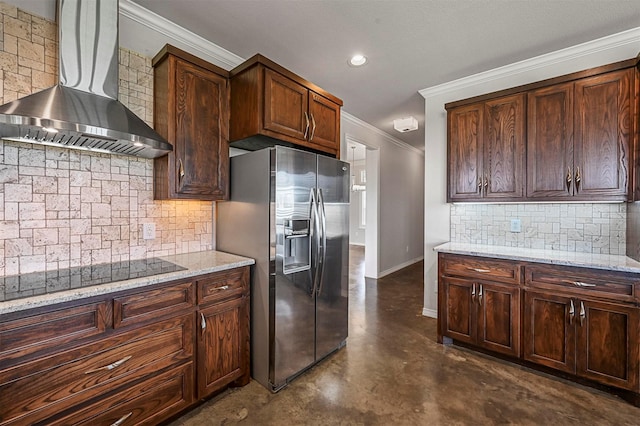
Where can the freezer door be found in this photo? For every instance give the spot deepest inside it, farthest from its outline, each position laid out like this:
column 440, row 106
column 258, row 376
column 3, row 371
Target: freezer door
column 293, row 304
column 332, row 300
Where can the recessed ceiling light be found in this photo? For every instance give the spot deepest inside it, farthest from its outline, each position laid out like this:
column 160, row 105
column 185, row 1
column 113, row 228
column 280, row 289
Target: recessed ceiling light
column 357, row 60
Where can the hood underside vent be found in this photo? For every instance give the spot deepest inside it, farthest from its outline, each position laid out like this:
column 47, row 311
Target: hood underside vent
column 83, row 111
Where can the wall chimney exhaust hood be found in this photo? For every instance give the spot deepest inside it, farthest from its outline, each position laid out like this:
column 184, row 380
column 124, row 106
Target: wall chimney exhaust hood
column 83, row 111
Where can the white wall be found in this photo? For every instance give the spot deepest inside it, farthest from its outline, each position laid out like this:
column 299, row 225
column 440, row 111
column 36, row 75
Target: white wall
column 401, row 195
column 603, row 51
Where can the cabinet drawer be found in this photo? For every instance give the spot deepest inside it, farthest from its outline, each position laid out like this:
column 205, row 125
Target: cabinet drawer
column 582, row 281
column 37, row 390
column 152, row 304
column 24, row 338
column 480, row 267
column 223, row 285
column 147, row 403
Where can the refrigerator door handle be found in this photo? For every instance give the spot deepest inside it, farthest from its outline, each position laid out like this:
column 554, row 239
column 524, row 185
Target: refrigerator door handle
column 323, row 236
column 313, row 208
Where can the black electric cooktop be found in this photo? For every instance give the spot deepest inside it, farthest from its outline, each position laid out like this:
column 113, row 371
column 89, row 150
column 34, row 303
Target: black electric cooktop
column 47, row 282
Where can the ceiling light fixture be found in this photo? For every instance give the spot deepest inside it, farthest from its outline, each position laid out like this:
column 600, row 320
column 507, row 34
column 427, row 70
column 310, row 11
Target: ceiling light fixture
column 357, row 60
column 406, row 124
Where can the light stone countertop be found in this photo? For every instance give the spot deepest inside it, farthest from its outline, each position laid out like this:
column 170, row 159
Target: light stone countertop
column 198, row 263
column 609, row 262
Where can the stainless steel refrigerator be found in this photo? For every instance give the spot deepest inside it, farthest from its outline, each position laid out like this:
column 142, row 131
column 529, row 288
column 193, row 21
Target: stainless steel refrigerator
column 289, row 210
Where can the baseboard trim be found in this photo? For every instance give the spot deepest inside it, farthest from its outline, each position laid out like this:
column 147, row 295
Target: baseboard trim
column 400, row 266
column 431, row 313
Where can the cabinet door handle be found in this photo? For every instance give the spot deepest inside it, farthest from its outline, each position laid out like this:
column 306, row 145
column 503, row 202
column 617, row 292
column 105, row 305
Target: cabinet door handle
column 480, row 295
column 486, row 184
column 581, row 284
column 583, row 314
column 569, row 179
column 122, row 419
column 473, row 293
column 203, row 323
column 572, row 311
column 110, row 366
column 480, row 184
column 306, row 129
column 578, row 179
column 482, row 271
column 180, row 171
column 313, row 129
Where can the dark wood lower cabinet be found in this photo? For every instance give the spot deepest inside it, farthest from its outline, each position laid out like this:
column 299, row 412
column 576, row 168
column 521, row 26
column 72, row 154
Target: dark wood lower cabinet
column 221, row 344
column 549, row 331
column 591, row 339
column 142, row 356
column 483, row 314
column 578, row 321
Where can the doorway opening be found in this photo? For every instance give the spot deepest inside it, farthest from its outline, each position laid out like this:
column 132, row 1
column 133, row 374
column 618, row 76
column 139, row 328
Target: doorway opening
column 363, row 207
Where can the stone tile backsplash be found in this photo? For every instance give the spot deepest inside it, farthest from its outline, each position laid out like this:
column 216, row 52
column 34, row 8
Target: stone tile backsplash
column 588, row 228
column 61, row 208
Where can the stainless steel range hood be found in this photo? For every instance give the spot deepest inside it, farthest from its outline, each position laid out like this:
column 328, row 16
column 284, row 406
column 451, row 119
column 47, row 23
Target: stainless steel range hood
column 83, row 111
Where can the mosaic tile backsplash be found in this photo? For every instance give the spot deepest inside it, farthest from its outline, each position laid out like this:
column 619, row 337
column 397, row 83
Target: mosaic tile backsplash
column 64, row 208
column 588, row 228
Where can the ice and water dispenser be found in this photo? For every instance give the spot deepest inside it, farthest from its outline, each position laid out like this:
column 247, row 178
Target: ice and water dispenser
column 297, row 245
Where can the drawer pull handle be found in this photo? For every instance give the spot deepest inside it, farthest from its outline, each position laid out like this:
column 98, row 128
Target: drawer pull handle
column 224, row 287
column 572, row 311
column 110, row 366
column 582, row 314
column 122, row 419
column 581, row 284
column 203, row 322
column 482, row 271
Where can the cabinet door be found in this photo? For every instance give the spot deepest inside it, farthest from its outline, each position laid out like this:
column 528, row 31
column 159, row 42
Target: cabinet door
column 285, row 106
column 602, row 128
column 504, row 147
column 606, row 351
column 458, row 321
column 222, row 345
column 201, row 145
column 549, row 330
column 499, row 318
column 465, row 152
column 325, row 122
column 550, row 142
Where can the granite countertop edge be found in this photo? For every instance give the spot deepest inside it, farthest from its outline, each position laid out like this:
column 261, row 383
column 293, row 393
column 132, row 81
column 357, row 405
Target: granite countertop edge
column 196, row 263
column 608, row 262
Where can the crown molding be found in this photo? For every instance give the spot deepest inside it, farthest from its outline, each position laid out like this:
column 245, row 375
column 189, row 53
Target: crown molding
column 157, row 23
column 629, row 37
column 358, row 122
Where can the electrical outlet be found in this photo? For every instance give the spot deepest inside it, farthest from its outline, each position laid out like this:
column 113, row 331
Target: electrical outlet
column 516, row 225
column 148, row 231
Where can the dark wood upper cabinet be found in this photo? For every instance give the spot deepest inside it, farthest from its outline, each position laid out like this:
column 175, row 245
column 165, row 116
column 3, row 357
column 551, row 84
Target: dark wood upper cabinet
column 578, row 139
column 486, row 150
column 602, row 128
column 550, row 142
column 566, row 138
column 269, row 103
column 504, row 152
column 191, row 110
column 465, row 152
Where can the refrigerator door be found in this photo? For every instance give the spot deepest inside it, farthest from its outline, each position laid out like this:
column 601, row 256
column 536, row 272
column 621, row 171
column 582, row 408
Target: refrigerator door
column 332, row 302
column 293, row 303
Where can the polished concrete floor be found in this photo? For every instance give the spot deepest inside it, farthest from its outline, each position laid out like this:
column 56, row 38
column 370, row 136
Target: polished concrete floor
column 392, row 372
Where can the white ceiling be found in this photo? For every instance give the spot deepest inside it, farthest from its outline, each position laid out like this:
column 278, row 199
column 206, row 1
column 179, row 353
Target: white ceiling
column 411, row 44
